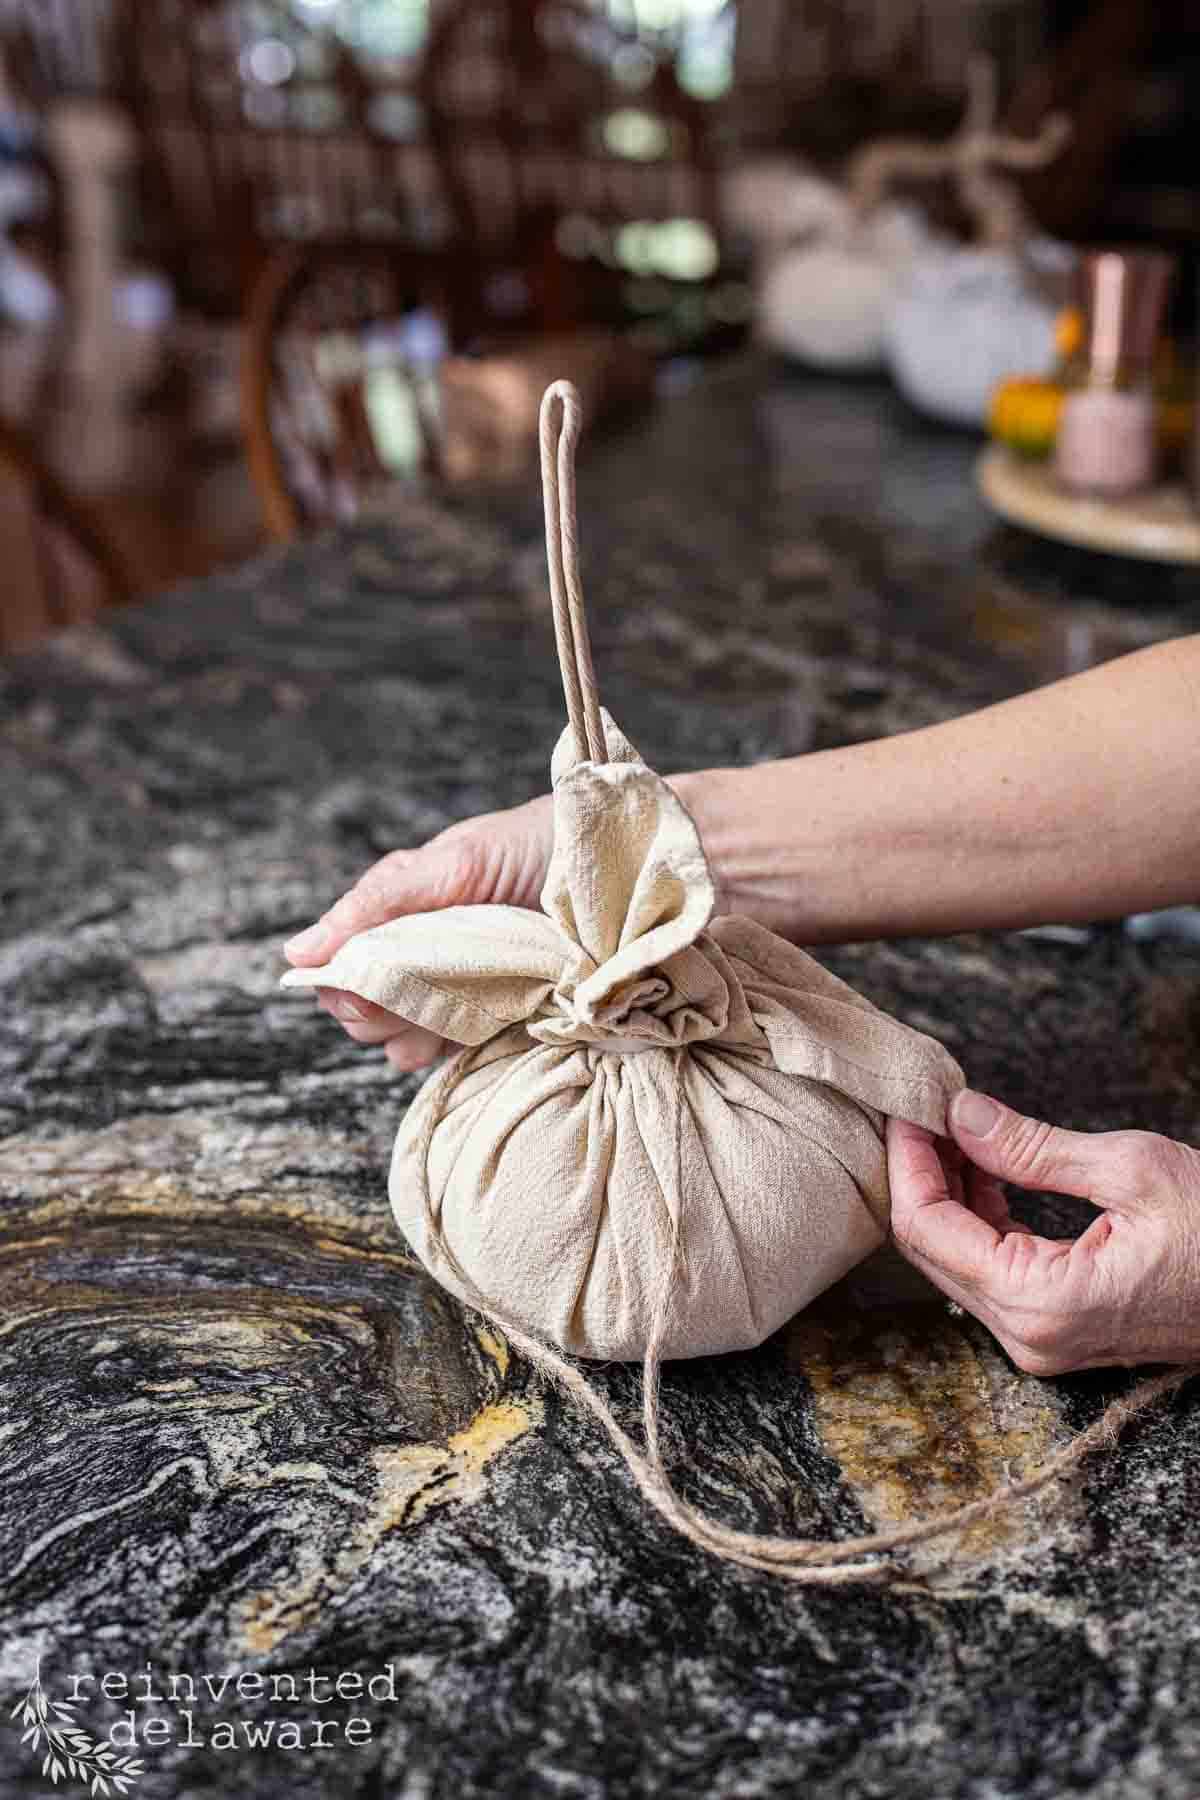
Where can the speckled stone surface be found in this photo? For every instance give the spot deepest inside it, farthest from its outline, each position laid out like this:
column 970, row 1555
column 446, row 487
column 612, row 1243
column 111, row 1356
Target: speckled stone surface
column 244, row 1435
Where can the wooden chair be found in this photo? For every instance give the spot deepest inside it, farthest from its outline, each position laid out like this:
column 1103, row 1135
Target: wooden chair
column 60, row 565
column 335, row 389
column 601, row 191
column 354, row 378
column 504, row 121
column 58, row 47
column 527, row 113
column 250, row 143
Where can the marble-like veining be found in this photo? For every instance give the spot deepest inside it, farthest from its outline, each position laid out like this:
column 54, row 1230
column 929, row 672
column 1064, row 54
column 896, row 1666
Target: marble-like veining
column 244, row 1432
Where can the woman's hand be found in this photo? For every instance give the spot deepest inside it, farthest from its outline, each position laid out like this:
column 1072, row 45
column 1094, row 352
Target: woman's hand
column 499, row 857
column 1127, row 1291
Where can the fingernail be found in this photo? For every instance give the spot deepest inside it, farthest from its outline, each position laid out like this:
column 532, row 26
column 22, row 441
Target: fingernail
column 348, row 1009
column 305, row 942
column 974, row 1113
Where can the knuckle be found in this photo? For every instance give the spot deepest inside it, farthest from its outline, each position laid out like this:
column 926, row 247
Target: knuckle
column 460, row 865
column 1140, row 1159
column 378, row 883
column 1029, row 1147
column 373, row 895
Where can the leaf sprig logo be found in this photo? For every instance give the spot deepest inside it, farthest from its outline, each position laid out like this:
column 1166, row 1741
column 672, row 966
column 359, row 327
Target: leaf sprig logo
column 70, row 1750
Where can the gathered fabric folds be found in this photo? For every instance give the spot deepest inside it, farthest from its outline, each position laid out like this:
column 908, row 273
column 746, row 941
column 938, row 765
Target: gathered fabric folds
column 632, row 1069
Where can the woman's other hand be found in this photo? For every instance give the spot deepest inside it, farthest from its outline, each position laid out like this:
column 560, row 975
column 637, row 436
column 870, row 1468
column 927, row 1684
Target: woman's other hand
column 1126, row 1291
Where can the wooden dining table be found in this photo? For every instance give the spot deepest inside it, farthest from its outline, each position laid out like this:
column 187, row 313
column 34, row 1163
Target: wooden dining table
column 247, row 1440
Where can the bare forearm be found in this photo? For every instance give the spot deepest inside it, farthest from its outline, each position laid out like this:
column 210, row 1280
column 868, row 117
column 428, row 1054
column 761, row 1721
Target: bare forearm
column 1077, row 801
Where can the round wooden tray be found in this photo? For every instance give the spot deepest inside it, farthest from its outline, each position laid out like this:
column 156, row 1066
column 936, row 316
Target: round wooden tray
column 1161, row 525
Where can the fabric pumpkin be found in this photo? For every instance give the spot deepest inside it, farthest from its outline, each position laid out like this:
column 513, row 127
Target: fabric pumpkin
column 630, row 1061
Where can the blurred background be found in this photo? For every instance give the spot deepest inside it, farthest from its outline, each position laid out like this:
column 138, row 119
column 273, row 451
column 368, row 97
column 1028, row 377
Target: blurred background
column 260, row 259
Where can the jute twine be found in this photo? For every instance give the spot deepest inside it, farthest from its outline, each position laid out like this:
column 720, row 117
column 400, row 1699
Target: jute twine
column 559, row 439
column 809, row 1561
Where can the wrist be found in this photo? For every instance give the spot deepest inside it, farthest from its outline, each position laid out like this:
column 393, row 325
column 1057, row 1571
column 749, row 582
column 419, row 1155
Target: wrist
column 748, row 871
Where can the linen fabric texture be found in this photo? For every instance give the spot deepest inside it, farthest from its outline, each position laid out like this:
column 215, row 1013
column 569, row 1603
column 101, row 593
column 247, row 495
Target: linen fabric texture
column 637, row 1074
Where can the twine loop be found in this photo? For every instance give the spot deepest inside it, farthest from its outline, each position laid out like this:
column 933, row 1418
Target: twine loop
column 559, row 425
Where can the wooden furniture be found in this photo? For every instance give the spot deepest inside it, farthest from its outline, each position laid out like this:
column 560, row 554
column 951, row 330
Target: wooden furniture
column 57, row 47
column 534, row 129
column 253, row 138
column 354, row 376
column 329, row 331
column 566, row 143
column 529, row 106
column 60, row 565
column 512, row 116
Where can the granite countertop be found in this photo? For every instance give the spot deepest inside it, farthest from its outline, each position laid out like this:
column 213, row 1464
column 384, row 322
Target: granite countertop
column 245, row 1435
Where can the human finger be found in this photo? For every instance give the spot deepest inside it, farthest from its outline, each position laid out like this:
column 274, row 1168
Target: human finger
column 405, row 881
column 1008, row 1145
column 415, row 1049
column 365, row 1022
column 949, row 1240
column 986, row 1198
column 409, row 1046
